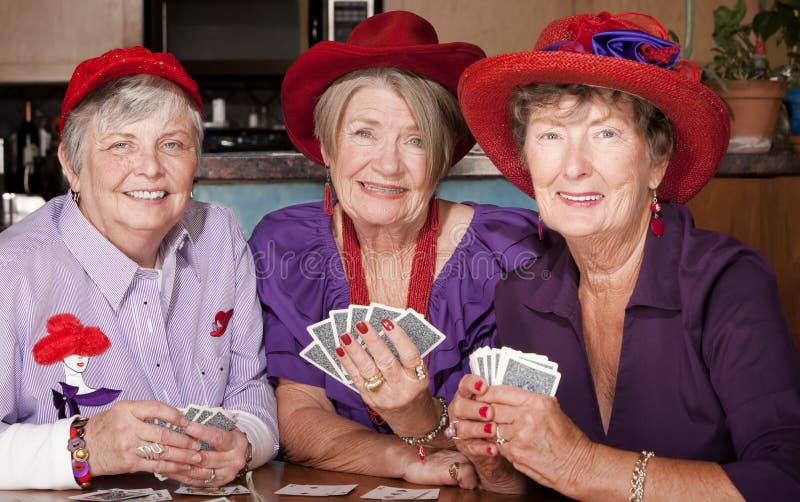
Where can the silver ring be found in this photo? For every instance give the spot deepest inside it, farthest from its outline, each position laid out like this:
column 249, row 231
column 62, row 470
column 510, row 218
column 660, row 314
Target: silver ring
column 211, row 477
column 150, row 451
column 420, row 371
column 500, row 440
column 374, row 382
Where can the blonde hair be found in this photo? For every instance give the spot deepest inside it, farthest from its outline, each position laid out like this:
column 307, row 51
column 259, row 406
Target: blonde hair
column 125, row 100
column 434, row 108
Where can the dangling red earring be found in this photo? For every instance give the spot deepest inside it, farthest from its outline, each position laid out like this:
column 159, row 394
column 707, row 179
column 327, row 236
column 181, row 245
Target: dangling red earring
column 540, row 229
column 656, row 224
column 327, row 203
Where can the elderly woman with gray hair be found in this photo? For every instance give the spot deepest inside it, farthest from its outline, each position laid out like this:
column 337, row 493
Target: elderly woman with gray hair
column 145, row 297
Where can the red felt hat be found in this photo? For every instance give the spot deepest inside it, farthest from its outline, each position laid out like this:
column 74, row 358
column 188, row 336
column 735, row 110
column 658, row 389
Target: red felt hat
column 92, row 73
column 630, row 52
column 396, row 39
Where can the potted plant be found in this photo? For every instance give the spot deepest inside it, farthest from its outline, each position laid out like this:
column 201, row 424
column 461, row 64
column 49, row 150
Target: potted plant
column 783, row 20
column 739, row 73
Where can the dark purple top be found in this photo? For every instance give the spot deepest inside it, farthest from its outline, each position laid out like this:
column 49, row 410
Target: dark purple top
column 708, row 369
column 301, row 278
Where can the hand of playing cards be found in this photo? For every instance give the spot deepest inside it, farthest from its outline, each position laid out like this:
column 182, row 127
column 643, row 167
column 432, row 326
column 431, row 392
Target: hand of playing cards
column 321, row 352
column 214, row 417
column 505, row 366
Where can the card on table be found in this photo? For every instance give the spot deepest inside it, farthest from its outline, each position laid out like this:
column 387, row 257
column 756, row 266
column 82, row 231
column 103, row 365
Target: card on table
column 213, row 491
column 113, row 494
column 391, row 493
column 315, row 490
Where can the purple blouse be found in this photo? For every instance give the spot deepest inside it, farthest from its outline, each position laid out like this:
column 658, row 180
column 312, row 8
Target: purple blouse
column 708, row 368
column 301, row 278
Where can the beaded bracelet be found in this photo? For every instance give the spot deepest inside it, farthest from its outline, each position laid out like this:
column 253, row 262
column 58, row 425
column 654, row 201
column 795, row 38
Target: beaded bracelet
column 427, row 438
column 80, row 455
column 639, row 473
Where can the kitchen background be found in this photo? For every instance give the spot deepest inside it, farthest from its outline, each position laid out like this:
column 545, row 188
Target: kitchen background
column 41, row 42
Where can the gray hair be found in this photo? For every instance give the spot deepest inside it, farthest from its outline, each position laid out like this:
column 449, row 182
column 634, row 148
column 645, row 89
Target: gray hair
column 434, row 108
column 651, row 122
column 125, row 100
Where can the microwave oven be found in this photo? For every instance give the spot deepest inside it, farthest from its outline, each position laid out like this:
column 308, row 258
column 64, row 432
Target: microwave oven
column 247, row 38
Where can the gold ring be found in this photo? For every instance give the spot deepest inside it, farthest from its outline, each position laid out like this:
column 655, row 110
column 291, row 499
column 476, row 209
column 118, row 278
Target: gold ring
column 211, row 477
column 453, row 470
column 374, row 382
column 420, row 371
column 500, row 439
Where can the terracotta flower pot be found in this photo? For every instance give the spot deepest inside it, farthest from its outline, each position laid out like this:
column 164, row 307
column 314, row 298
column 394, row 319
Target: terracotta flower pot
column 754, row 107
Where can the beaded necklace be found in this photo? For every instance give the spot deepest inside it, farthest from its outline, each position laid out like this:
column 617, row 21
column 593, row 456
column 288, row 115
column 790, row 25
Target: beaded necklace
column 422, row 270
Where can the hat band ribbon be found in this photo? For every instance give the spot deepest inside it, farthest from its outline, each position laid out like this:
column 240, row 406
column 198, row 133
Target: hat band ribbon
column 626, row 44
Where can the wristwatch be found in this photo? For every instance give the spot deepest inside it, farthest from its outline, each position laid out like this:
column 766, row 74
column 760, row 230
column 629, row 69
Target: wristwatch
column 248, row 457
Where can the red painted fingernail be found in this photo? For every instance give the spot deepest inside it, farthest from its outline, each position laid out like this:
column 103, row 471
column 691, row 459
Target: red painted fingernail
column 487, row 428
column 479, row 385
column 339, row 351
column 388, row 325
column 489, row 451
column 362, row 328
column 484, row 411
column 345, row 338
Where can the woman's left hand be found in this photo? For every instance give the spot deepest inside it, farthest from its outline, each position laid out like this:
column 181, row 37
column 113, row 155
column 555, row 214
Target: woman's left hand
column 535, row 435
column 395, row 389
column 219, row 466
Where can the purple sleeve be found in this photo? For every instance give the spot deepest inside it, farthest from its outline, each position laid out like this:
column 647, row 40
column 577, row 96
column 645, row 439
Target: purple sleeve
column 299, row 280
column 755, row 370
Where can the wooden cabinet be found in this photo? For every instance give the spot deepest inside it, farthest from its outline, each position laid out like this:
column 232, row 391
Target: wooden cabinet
column 760, row 212
column 43, row 40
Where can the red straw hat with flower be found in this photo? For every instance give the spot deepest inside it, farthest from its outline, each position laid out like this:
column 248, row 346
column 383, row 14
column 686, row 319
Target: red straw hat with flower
column 396, row 39
column 630, row 52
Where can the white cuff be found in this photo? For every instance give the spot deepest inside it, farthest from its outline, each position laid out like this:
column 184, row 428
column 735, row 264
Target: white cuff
column 35, row 456
column 265, row 447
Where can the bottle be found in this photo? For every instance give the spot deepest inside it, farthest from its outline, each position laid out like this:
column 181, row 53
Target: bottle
column 27, row 151
column 252, row 118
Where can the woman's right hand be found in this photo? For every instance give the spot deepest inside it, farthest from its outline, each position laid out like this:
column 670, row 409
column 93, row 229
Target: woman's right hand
column 402, row 398
column 114, row 436
column 476, row 439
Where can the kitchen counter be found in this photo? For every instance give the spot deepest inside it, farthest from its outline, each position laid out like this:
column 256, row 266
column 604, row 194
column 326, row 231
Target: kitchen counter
column 271, row 166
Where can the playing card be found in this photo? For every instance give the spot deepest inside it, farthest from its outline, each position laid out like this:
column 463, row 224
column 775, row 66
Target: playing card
column 221, row 420
column 315, row 490
column 355, row 314
column 523, row 374
column 390, row 493
column 203, row 415
column 339, row 318
column 113, row 494
column 315, row 354
column 378, row 312
column 324, row 333
column 206, row 490
column 423, row 334
column 156, row 496
column 190, row 412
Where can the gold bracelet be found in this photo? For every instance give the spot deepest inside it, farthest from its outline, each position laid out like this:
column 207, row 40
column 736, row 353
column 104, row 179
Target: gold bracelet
column 639, row 474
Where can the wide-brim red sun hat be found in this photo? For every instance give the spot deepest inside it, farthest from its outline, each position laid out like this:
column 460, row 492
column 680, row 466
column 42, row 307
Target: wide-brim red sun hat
column 637, row 63
column 94, row 72
column 396, row 39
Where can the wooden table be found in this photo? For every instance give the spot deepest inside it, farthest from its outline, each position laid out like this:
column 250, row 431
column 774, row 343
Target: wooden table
column 270, row 478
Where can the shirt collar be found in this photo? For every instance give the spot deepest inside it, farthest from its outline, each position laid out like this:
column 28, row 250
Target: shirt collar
column 108, row 267
column 555, row 275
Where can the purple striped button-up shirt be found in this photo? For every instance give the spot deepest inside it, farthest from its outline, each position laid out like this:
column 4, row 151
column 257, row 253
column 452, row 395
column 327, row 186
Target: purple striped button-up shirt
column 169, row 337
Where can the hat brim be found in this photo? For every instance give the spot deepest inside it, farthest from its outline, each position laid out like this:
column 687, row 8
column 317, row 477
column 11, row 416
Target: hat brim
column 322, row 64
column 698, row 116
